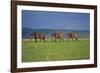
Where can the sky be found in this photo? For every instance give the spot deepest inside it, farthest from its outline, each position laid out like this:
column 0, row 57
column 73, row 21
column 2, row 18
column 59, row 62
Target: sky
column 55, row 20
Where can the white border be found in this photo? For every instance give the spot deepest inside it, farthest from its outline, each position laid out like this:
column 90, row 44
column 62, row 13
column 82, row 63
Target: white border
column 53, row 63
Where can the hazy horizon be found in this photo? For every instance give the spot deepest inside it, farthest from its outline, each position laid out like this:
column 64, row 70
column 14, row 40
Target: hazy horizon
column 52, row 29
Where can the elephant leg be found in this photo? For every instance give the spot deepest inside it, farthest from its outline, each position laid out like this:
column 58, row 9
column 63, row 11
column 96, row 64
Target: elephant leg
column 55, row 39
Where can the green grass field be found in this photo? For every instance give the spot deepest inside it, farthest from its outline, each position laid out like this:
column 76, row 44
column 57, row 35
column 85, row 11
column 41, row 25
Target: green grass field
column 54, row 51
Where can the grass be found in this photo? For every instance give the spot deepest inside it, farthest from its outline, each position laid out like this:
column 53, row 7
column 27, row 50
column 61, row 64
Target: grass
column 54, row 51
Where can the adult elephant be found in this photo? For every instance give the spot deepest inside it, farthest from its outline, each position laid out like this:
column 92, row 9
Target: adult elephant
column 57, row 35
column 72, row 36
column 38, row 35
